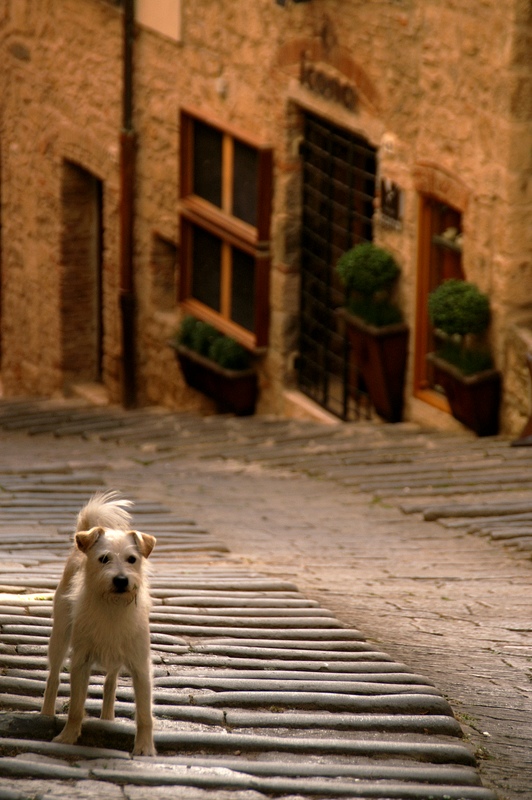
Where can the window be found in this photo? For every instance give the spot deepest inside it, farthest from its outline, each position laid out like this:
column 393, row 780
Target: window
column 225, row 210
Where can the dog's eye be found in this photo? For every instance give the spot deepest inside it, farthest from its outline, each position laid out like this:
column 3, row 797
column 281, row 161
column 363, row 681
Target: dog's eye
column 131, row 559
column 104, row 559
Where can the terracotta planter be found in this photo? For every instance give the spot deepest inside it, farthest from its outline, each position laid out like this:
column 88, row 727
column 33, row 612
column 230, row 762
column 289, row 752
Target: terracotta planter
column 380, row 356
column 474, row 399
column 234, row 391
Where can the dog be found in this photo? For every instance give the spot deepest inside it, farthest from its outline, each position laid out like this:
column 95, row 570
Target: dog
column 101, row 611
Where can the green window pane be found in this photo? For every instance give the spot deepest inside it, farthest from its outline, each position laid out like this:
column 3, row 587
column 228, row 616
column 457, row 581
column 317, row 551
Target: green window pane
column 243, row 289
column 208, row 163
column 206, row 268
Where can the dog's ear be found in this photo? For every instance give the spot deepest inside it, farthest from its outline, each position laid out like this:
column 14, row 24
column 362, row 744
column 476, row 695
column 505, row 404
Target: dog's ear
column 144, row 542
column 86, row 539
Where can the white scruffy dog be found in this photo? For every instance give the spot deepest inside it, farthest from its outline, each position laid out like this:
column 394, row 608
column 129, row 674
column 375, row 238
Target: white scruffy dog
column 101, row 609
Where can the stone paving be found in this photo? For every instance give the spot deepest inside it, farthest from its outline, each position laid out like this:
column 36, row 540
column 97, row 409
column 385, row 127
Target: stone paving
column 258, row 689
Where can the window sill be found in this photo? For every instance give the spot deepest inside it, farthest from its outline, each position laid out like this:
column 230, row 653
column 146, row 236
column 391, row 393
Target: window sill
column 226, row 326
column 198, row 211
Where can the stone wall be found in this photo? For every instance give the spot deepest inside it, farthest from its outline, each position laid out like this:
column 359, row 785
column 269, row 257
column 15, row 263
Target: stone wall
column 443, row 92
column 62, row 70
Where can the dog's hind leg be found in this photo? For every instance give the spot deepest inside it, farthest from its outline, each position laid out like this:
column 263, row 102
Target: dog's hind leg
column 80, row 671
column 57, row 652
column 109, row 692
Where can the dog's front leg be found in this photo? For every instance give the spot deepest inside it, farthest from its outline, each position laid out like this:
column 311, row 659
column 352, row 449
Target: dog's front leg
column 57, row 651
column 144, row 745
column 79, row 683
column 109, row 692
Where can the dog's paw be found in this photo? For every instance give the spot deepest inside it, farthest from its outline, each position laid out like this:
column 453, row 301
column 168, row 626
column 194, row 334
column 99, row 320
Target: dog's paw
column 144, row 748
column 67, row 736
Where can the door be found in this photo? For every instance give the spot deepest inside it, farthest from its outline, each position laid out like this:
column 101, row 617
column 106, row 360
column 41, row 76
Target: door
column 81, row 279
column 440, row 258
column 339, row 171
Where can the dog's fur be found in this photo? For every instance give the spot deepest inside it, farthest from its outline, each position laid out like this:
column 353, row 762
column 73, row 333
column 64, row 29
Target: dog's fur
column 101, row 609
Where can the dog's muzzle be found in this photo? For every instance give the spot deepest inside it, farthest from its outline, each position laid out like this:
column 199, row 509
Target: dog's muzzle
column 121, row 583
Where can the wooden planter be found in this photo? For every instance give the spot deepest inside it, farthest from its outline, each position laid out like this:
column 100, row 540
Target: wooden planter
column 380, row 356
column 234, row 391
column 474, row 399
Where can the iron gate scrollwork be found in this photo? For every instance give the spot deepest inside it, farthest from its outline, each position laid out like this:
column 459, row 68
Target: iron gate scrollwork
column 339, row 175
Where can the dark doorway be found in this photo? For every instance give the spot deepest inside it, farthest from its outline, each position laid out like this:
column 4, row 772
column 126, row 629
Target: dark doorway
column 339, row 172
column 81, row 280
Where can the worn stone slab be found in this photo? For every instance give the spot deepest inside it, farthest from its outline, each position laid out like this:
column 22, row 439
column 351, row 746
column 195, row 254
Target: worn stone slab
column 13, row 745
column 433, row 724
column 382, row 685
column 436, row 512
column 226, row 780
column 323, row 678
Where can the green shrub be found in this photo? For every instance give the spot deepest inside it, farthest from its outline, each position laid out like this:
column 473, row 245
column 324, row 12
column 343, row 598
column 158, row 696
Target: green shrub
column 458, row 307
column 378, row 313
column 468, row 360
column 367, row 269
column 185, row 335
column 209, row 342
column 203, row 338
column 229, row 354
column 368, row 273
column 462, row 313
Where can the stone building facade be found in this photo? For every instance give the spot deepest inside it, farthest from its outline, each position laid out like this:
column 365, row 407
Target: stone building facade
column 425, row 105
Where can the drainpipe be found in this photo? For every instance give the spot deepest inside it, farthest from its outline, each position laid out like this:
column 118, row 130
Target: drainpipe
column 128, row 141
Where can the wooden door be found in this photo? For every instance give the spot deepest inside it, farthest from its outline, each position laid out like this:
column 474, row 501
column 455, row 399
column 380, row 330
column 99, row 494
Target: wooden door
column 440, row 258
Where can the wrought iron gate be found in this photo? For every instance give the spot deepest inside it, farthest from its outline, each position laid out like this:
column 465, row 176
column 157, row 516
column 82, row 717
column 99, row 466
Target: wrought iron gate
column 338, row 191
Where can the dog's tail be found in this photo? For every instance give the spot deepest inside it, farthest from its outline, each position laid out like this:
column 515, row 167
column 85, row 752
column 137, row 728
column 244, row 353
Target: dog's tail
column 105, row 509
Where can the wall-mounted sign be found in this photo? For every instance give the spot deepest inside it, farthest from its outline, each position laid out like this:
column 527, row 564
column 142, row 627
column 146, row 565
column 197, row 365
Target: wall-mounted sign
column 320, row 80
column 392, row 202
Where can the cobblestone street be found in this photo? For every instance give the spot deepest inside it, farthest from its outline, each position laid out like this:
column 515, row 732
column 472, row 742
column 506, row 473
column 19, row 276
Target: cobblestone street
column 323, row 597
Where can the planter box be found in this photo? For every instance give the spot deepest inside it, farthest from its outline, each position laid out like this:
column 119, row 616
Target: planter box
column 234, row 391
column 380, row 356
column 474, row 399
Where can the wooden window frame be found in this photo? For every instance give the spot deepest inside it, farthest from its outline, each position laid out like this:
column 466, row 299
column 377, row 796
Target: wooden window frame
column 230, row 230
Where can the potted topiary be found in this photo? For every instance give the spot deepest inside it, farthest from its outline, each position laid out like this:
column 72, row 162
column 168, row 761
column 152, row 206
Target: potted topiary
column 216, row 365
column 378, row 337
column 462, row 364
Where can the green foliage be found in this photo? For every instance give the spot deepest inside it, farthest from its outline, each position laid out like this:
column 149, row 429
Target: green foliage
column 209, row 342
column 367, row 269
column 229, row 354
column 185, row 335
column 379, row 313
column 204, row 337
column 468, row 360
column 458, row 307
column 461, row 312
column 368, row 273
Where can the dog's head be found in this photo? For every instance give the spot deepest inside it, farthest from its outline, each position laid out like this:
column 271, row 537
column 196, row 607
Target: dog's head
column 115, row 559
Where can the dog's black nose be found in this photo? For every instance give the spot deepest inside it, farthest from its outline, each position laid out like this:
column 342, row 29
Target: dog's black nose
column 120, row 583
